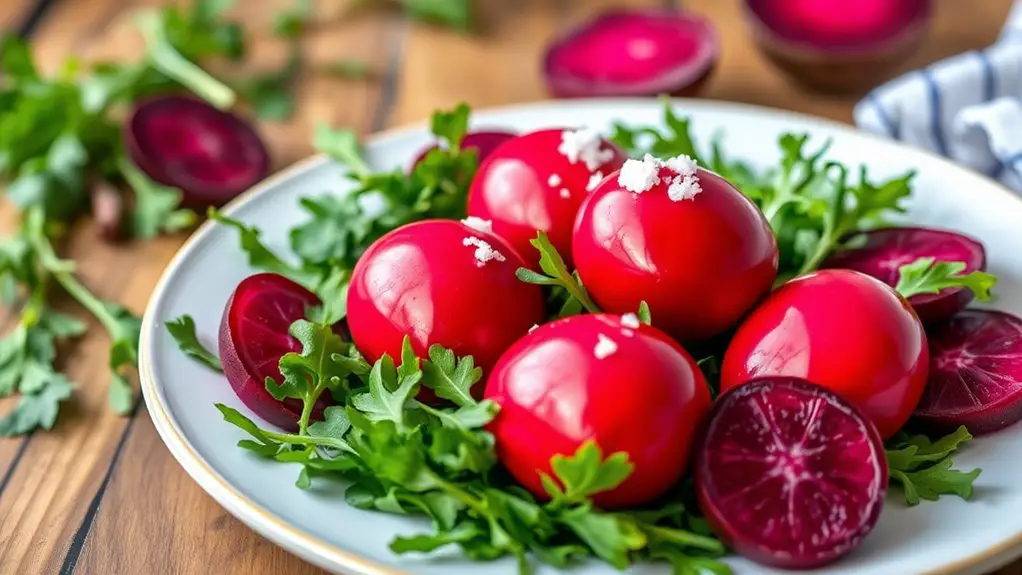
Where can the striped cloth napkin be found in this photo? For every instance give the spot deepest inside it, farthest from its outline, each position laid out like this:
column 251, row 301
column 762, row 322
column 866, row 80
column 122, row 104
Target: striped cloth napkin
column 967, row 107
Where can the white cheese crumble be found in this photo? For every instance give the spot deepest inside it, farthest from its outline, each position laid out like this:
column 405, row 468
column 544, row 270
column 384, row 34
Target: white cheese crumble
column 605, row 347
column 565, row 193
column 630, row 320
column 638, row 176
column 594, row 180
column 534, row 327
column 484, row 252
column 478, row 224
column 554, row 180
column 585, row 145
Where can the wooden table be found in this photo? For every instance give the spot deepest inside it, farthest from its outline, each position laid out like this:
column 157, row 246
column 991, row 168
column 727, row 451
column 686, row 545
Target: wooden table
column 100, row 493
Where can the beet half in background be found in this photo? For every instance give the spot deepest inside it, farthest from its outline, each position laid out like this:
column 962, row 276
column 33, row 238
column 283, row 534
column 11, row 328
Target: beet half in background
column 209, row 154
column 632, row 53
column 839, row 45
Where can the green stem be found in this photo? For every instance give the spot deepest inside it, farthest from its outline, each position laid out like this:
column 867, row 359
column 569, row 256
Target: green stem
column 473, row 503
column 165, row 58
column 307, row 404
column 309, row 440
column 683, row 537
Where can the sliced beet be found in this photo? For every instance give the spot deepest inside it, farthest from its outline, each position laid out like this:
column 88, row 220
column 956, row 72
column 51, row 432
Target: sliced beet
column 885, row 250
column 839, row 44
column 483, row 142
column 210, row 154
column 253, row 337
column 975, row 373
column 790, row 474
column 632, row 53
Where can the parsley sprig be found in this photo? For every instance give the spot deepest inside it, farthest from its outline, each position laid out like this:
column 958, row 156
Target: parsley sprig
column 403, row 456
column 923, row 469
column 568, row 291
column 929, row 276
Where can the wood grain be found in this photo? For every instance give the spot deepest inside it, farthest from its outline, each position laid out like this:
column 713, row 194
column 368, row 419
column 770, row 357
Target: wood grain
column 100, row 494
column 14, row 14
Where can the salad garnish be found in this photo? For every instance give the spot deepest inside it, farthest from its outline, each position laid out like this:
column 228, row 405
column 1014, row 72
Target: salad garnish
column 402, row 453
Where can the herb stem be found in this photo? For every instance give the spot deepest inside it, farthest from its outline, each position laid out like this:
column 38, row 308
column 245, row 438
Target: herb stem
column 683, row 537
column 165, row 58
column 309, row 440
column 473, row 503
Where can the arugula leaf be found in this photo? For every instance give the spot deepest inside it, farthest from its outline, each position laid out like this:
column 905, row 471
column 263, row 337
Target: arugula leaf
column 182, row 330
column 643, row 314
column 306, row 375
column 38, row 409
column 341, row 146
column 927, row 275
column 555, row 273
column 259, row 256
column 585, row 474
column 449, row 377
column 157, row 207
column 390, row 389
column 453, row 13
column 924, row 469
column 612, row 538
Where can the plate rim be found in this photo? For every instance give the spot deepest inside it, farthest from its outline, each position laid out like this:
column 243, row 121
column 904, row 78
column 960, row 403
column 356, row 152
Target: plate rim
column 328, row 556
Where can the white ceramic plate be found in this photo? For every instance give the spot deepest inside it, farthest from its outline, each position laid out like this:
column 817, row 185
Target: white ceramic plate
column 948, row 537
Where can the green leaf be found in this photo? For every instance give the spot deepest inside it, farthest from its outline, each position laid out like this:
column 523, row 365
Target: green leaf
column 462, row 533
column 586, row 473
column 612, row 538
column 451, row 378
column 452, row 13
column 451, row 126
column 235, row 418
column 335, row 423
column 120, row 395
column 336, row 231
column 37, row 410
column 348, row 69
column 388, row 394
column 927, row 275
column 924, row 468
column 644, row 316
column 182, row 330
column 290, row 23
column 556, row 272
column 157, row 208
column 259, row 256
column 16, row 58
column 341, row 146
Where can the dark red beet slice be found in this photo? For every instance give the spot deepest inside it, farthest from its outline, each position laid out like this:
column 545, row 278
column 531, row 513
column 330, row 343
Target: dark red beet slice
column 633, row 53
column 483, row 142
column 253, row 337
column 211, row 155
column 888, row 249
column 789, row 474
column 975, row 373
column 838, row 44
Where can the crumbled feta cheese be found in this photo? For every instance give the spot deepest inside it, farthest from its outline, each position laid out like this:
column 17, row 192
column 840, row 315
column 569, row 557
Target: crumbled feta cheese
column 478, row 224
column 484, row 252
column 683, row 188
column 605, row 347
column 630, row 320
column 585, row 145
column 638, row 176
column 565, row 193
column 594, row 180
column 554, row 180
column 534, row 327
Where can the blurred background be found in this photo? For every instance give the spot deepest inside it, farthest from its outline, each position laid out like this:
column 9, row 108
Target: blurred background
column 100, row 493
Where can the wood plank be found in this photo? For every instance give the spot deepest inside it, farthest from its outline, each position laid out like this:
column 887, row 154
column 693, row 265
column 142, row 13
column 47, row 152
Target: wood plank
column 745, row 75
column 13, row 14
column 149, row 497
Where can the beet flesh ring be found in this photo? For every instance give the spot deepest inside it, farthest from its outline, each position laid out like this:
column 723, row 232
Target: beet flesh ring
column 632, row 53
column 839, row 45
column 210, row 154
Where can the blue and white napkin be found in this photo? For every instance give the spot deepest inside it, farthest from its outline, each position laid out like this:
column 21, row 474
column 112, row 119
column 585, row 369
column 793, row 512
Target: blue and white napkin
column 967, row 107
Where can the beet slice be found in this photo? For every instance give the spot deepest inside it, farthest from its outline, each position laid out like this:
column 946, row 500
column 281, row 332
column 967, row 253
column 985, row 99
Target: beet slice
column 975, row 373
column 790, row 474
column 483, row 142
column 210, row 154
column 253, row 337
column 838, row 45
column 633, row 53
column 885, row 250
